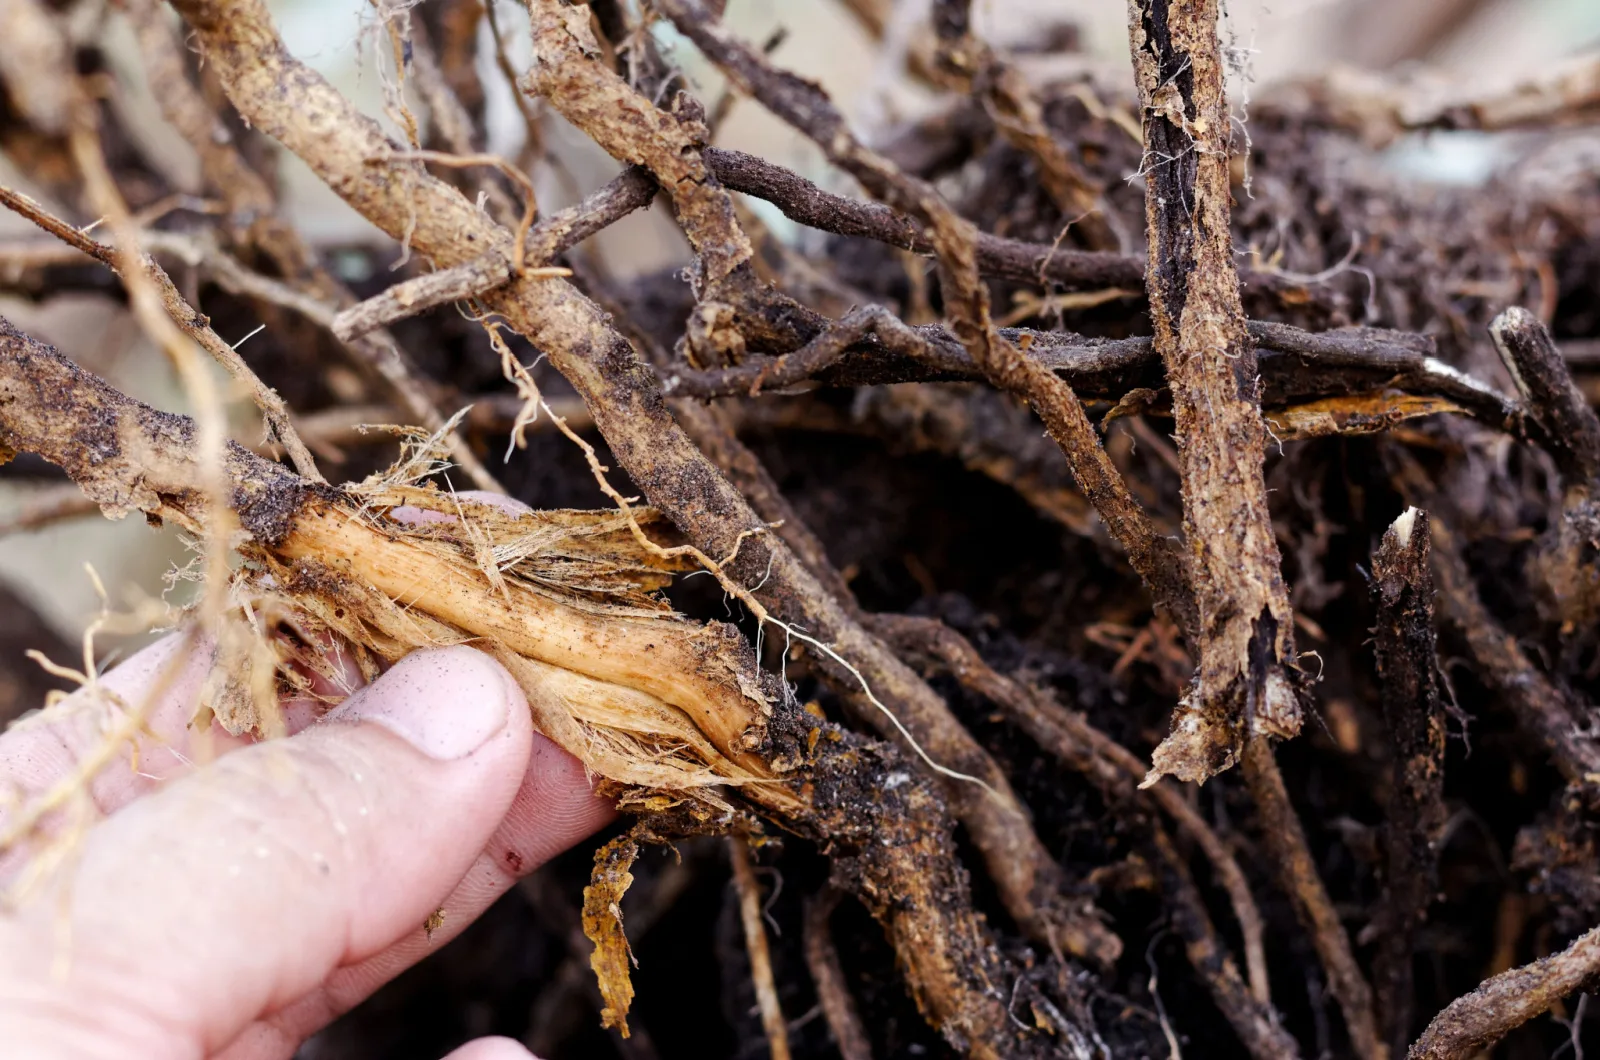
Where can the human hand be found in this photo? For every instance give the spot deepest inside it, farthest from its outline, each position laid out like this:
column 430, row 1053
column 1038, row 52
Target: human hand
column 231, row 910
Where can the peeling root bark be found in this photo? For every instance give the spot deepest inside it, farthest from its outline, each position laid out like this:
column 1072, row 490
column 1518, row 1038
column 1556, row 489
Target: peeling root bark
column 1404, row 645
column 1246, row 631
column 1246, row 690
column 602, row 923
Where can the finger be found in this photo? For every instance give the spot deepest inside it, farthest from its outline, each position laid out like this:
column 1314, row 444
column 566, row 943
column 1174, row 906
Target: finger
column 161, row 683
column 492, row 1049
column 553, row 810
column 410, row 513
column 234, row 891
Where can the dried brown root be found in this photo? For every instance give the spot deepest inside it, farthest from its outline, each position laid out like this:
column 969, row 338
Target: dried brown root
column 1068, row 269
column 1407, row 668
column 755, row 940
column 559, row 1011
column 1353, row 380
column 137, row 268
column 1015, row 107
column 822, row 960
column 1245, row 691
column 602, row 923
column 1254, row 1023
column 1114, row 769
column 1563, row 565
column 1029, row 880
column 1369, row 413
column 734, row 310
column 570, row 71
column 1477, row 1020
column 804, row 203
column 1159, row 562
column 1298, row 876
column 1547, row 710
column 1244, row 685
column 460, row 284
column 1544, row 382
column 256, row 223
column 870, row 323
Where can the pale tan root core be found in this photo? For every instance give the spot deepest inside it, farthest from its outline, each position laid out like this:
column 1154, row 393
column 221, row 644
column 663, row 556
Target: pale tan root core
column 625, row 686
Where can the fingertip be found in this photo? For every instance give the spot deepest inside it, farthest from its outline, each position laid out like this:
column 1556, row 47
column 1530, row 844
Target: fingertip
column 492, row 1049
column 496, row 500
column 162, row 682
column 418, row 516
column 447, row 703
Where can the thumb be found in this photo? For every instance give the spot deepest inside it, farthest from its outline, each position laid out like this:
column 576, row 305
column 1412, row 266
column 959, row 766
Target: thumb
column 237, row 889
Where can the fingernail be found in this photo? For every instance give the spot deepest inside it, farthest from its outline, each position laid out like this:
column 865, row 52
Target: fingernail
column 445, row 702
